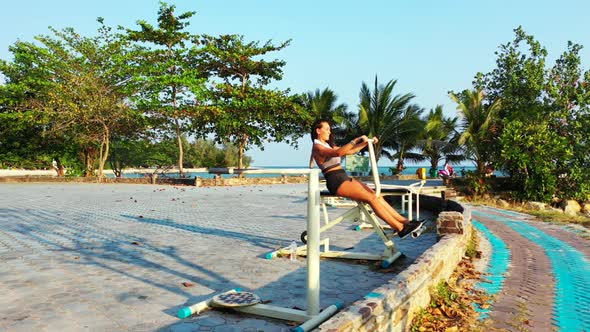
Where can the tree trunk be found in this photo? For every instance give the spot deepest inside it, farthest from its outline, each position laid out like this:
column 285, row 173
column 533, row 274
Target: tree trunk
column 241, row 147
column 434, row 163
column 104, row 152
column 88, row 161
column 58, row 167
column 180, row 149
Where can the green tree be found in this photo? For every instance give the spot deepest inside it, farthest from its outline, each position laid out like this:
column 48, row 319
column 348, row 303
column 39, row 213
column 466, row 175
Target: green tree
column 243, row 109
column 407, row 138
column 381, row 113
column 479, row 125
column 323, row 105
column 530, row 150
column 540, row 102
column 170, row 82
column 568, row 99
column 79, row 92
column 439, row 138
column 22, row 139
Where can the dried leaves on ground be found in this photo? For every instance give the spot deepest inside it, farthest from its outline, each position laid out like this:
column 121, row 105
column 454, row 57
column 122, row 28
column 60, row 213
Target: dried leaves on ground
column 452, row 305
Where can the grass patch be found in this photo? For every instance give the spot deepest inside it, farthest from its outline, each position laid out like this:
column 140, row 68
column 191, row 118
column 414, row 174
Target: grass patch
column 546, row 215
column 471, row 250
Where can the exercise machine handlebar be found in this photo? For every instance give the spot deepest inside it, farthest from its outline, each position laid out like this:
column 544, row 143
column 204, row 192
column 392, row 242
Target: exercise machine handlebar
column 374, row 168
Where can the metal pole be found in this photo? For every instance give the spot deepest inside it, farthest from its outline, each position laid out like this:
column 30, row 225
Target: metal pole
column 313, row 244
column 374, row 168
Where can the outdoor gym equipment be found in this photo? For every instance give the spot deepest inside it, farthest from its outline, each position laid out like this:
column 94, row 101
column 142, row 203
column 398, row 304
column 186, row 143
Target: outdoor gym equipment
column 247, row 302
column 363, row 213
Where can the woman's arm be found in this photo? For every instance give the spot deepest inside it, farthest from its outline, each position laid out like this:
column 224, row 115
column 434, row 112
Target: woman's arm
column 352, row 147
column 364, row 142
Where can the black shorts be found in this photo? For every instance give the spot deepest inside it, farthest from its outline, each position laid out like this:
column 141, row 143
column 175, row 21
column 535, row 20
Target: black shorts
column 334, row 179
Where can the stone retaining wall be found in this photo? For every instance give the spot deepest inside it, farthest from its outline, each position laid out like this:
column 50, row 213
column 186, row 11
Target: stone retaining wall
column 195, row 181
column 392, row 306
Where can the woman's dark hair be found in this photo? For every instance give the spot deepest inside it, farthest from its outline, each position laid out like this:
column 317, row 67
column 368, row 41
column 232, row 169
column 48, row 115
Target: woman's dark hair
column 317, row 125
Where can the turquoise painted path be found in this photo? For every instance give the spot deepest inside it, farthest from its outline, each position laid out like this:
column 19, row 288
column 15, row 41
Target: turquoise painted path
column 571, row 268
column 497, row 267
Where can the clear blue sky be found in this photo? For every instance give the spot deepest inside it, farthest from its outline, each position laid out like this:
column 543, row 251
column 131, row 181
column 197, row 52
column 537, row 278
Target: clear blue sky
column 430, row 47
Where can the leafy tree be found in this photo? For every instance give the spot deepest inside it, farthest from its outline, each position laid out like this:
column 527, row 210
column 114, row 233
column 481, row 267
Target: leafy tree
column 206, row 153
column 169, row 79
column 22, row 139
column 519, row 78
column 381, row 113
column 78, row 93
column 568, row 99
column 530, row 151
column 539, row 103
column 243, row 109
column 479, row 126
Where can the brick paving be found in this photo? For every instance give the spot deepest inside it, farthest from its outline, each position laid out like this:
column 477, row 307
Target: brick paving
column 92, row 257
column 526, row 302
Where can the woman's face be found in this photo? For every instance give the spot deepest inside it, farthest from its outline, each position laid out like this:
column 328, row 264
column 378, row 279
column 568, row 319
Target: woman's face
column 324, row 132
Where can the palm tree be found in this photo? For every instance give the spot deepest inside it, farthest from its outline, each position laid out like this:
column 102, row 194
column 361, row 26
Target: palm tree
column 381, row 113
column 406, row 138
column 323, row 105
column 478, row 125
column 439, row 138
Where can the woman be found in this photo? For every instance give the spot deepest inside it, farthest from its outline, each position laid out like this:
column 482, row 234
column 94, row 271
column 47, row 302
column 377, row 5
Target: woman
column 328, row 157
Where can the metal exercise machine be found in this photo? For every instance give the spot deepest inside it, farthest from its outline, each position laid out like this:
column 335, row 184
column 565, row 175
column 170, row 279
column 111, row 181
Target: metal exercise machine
column 360, row 212
column 250, row 303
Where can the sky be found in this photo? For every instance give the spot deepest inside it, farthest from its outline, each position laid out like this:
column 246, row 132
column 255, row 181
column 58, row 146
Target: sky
column 429, row 47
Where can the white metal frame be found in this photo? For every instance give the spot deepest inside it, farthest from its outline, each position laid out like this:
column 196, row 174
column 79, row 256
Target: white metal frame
column 360, row 212
column 311, row 317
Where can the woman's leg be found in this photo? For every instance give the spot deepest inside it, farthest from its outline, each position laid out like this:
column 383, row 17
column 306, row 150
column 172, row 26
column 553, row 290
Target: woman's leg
column 356, row 191
column 394, row 214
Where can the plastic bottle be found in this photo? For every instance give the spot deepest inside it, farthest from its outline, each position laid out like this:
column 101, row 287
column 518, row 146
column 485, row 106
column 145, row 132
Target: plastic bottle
column 293, row 251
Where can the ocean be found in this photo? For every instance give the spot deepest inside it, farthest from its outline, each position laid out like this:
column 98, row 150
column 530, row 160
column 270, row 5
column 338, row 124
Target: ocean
column 383, row 170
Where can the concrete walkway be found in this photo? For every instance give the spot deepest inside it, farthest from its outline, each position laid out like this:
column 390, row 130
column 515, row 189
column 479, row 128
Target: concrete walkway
column 91, row 257
column 547, row 283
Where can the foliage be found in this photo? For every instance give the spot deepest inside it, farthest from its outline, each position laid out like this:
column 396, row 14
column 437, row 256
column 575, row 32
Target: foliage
column 477, row 184
column 406, row 137
column 542, row 110
column 439, row 139
column 77, row 93
column 479, row 126
column 322, row 105
column 206, row 153
column 169, row 80
column 452, row 304
column 381, row 113
column 243, row 109
column 568, row 97
column 530, row 151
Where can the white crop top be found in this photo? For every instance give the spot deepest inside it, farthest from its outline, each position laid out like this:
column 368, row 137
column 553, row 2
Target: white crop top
column 332, row 162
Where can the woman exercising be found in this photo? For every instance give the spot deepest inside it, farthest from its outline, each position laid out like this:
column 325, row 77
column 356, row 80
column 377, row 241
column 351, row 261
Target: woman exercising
column 328, row 156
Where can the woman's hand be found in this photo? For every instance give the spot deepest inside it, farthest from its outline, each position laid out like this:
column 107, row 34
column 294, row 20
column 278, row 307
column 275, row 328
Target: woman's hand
column 375, row 140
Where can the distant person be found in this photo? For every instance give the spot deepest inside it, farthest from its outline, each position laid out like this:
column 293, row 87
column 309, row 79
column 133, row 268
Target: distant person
column 463, row 172
column 447, row 171
column 489, row 170
column 328, row 156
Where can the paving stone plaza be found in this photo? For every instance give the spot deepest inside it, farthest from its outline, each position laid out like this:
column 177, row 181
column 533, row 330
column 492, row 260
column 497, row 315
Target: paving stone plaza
column 120, row 257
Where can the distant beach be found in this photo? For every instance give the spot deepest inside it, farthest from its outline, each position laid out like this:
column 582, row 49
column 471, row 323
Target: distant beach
column 203, row 173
